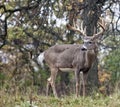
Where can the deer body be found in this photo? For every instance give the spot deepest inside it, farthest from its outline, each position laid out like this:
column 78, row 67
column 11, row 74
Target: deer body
column 78, row 58
column 69, row 56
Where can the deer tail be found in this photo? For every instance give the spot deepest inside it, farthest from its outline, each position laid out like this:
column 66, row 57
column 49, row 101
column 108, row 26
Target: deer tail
column 40, row 59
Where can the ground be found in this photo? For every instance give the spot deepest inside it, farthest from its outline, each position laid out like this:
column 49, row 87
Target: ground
column 34, row 100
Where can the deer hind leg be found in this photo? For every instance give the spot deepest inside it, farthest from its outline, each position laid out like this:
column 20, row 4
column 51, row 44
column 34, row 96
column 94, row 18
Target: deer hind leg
column 51, row 81
column 48, row 86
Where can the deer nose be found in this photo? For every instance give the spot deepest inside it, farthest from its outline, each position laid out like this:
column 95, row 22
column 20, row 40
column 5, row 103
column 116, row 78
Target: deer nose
column 84, row 48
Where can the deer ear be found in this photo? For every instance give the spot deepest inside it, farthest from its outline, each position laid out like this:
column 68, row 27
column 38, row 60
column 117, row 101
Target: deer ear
column 82, row 37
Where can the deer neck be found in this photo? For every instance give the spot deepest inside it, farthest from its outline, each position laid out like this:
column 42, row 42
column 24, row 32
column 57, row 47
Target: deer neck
column 90, row 56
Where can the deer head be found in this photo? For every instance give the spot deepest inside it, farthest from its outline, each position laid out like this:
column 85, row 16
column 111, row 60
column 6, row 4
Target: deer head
column 89, row 42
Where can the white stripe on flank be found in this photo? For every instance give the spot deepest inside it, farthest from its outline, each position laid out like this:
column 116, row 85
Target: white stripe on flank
column 66, row 69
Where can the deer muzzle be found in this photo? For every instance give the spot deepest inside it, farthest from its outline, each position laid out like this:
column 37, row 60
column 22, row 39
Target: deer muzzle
column 83, row 48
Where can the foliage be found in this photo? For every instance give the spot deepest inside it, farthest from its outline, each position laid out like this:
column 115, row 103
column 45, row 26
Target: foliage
column 113, row 64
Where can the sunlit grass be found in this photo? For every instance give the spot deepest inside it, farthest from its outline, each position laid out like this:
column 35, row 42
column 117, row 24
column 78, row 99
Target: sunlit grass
column 34, row 100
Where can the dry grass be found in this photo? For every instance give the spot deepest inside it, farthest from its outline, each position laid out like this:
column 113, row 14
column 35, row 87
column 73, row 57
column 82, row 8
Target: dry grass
column 34, row 100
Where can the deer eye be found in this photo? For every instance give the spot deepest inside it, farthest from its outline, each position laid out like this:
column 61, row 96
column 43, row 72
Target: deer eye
column 90, row 42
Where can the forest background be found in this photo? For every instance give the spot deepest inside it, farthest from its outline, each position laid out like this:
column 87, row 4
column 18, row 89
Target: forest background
column 28, row 27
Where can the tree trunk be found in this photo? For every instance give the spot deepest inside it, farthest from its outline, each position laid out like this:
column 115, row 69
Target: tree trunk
column 90, row 17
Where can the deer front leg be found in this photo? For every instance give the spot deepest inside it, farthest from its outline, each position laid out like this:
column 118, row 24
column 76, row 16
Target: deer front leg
column 84, row 80
column 77, row 82
column 83, row 83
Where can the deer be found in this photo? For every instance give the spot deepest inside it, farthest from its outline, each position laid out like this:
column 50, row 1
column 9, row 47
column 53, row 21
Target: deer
column 77, row 58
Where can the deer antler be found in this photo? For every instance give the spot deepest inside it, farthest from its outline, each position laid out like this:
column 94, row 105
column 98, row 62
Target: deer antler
column 81, row 31
column 102, row 25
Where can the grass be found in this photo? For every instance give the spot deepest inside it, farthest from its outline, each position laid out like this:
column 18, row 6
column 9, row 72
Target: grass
column 34, row 100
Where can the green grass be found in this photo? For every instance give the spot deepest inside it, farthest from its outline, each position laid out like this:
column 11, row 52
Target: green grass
column 34, row 100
